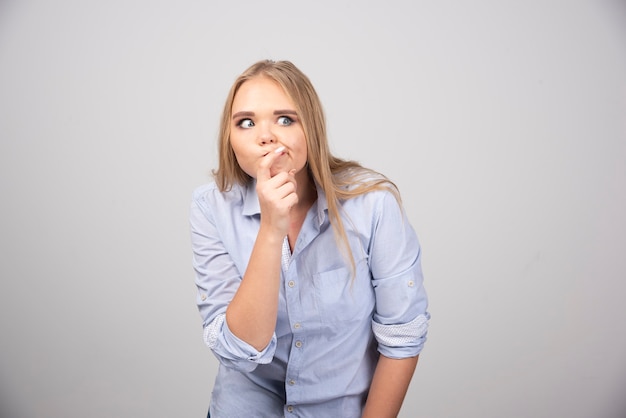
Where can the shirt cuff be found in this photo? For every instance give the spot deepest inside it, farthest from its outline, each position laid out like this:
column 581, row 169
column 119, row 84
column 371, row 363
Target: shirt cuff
column 232, row 351
column 402, row 340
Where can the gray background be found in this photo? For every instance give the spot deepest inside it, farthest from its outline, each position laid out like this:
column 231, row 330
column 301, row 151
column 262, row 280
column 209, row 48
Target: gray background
column 503, row 123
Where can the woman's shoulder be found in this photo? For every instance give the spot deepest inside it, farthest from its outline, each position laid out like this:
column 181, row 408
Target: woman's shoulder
column 364, row 183
column 205, row 188
column 209, row 194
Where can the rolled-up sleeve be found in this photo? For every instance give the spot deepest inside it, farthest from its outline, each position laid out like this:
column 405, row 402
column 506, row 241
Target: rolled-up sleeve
column 231, row 350
column 400, row 320
column 217, row 281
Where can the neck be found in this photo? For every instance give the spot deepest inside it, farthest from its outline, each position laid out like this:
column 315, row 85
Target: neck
column 307, row 193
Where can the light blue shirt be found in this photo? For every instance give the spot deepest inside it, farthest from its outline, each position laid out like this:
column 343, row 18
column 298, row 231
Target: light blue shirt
column 331, row 324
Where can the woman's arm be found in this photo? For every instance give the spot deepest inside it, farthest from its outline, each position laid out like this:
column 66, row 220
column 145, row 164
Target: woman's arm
column 252, row 313
column 389, row 386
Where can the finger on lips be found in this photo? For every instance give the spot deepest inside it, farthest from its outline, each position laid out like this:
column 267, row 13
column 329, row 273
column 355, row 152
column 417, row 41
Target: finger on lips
column 263, row 171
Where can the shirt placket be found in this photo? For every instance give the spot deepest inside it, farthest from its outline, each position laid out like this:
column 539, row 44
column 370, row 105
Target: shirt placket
column 297, row 317
column 296, row 323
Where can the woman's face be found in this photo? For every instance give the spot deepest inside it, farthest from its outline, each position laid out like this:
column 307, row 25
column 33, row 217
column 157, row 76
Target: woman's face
column 264, row 119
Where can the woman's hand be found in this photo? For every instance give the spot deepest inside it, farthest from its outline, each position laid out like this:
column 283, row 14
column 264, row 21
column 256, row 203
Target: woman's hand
column 277, row 194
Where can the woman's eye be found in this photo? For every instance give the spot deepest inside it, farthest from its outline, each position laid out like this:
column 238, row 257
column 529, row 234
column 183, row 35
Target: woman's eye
column 285, row 121
column 245, row 123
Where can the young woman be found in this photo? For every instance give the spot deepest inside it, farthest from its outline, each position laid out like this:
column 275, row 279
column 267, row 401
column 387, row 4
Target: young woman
column 308, row 271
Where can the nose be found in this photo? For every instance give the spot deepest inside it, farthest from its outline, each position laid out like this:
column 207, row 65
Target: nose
column 266, row 136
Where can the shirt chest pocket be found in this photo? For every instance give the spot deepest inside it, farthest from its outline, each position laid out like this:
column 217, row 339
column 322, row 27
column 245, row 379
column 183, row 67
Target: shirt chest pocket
column 340, row 298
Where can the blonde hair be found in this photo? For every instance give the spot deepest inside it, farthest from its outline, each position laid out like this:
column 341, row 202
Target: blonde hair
column 340, row 179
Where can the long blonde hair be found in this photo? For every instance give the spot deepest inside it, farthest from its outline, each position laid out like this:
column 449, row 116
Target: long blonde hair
column 340, row 179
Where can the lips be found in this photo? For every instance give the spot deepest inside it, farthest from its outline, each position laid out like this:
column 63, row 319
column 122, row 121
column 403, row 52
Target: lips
column 279, row 150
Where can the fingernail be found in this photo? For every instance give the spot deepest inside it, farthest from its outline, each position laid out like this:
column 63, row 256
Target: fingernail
column 279, row 150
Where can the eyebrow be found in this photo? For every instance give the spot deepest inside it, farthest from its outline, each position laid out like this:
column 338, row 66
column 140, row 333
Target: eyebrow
column 276, row 112
column 286, row 112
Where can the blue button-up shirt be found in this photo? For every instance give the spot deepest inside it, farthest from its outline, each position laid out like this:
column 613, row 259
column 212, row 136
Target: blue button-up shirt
column 332, row 321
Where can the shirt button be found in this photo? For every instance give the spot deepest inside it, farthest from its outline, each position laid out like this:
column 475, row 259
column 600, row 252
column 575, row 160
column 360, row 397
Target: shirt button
column 296, row 325
column 298, row 344
column 411, row 283
column 291, row 283
column 203, row 297
column 290, row 408
column 292, row 382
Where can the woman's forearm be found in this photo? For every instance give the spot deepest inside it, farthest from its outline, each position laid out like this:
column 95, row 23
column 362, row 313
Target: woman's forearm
column 389, row 385
column 252, row 313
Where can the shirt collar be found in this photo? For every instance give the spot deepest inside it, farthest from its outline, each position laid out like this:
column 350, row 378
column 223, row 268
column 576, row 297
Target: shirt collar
column 251, row 205
column 321, row 204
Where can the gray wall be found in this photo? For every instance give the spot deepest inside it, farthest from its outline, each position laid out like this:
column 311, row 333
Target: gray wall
column 503, row 123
